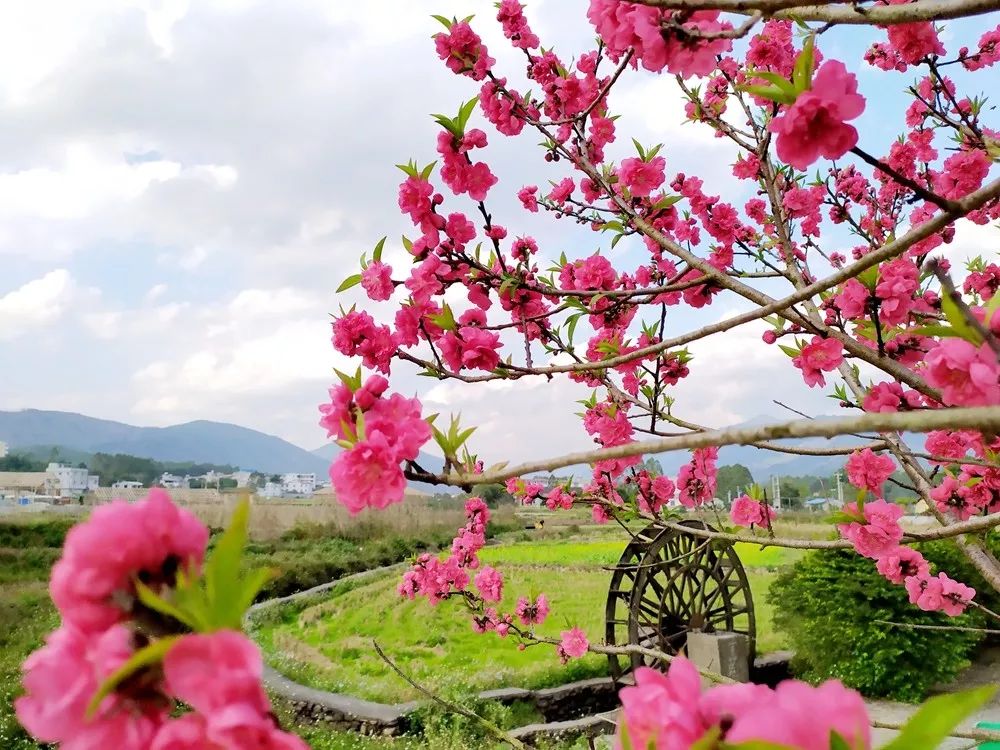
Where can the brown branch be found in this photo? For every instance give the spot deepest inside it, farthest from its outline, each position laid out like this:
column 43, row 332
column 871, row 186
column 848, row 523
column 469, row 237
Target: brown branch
column 985, row 418
column 903, row 180
column 951, row 292
column 838, row 13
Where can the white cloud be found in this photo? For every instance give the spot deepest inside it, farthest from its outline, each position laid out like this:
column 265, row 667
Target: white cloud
column 36, row 304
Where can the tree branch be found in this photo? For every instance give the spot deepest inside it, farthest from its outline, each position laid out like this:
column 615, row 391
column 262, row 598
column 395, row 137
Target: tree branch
column 836, row 12
column 986, row 418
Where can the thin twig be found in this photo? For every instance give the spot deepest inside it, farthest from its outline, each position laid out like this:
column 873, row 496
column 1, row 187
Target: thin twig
column 453, row 707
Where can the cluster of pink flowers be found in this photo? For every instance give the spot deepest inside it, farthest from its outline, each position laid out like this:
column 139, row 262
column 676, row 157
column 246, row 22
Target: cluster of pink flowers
column 696, row 480
column 356, row 333
column 625, row 25
column 458, row 171
column 381, row 431
column 218, row 675
column 463, row 51
column 745, row 511
column 670, row 712
column 438, row 579
column 869, row 470
column 974, row 491
column 877, row 535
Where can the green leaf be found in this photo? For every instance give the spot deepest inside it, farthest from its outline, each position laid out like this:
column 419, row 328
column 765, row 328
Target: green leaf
column 773, row 78
column 937, row 717
column 935, row 330
column 252, row 584
column 869, row 277
column 771, row 93
column 753, row 745
column 958, row 320
column 802, row 73
column 377, row 253
column 639, row 148
column 349, row 282
column 443, row 21
column 152, row 654
column 155, row 602
column 789, row 350
column 222, row 571
column 426, row 171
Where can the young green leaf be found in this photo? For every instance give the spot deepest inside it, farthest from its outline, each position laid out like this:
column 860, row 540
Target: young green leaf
column 958, row 320
column 349, row 282
column 938, row 717
column 377, row 253
column 222, row 570
column 152, row 654
column 802, row 72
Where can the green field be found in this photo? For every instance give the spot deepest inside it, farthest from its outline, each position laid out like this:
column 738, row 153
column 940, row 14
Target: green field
column 329, row 645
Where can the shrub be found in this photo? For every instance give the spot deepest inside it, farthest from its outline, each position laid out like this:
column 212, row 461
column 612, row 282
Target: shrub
column 25, row 535
column 830, row 603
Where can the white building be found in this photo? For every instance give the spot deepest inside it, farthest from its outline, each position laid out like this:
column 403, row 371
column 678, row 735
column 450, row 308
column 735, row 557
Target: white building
column 3, row 449
column 93, row 482
column 242, row 478
column 271, row 489
column 70, row 480
column 172, row 481
column 126, row 484
column 298, row 484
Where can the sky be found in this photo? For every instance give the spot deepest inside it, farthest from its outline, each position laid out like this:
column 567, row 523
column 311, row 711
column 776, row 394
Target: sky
column 184, row 185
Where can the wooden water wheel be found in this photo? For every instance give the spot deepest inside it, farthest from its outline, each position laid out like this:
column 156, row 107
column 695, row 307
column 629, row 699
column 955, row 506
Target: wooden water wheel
column 669, row 583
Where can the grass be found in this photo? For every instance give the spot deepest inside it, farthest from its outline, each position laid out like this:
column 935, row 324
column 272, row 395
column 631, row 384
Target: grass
column 328, row 644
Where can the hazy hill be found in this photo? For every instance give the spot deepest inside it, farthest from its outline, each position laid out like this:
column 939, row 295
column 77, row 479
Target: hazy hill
column 200, row 441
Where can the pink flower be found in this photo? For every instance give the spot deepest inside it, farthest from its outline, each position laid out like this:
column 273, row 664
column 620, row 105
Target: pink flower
column 463, row 51
column 802, row 716
column 219, row 675
column 490, row 584
column 939, row 594
column 62, row 676
column 897, row 281
column 965, row 374
column 377, row 280
column 532, row 613
column 212, row 671
column 641, row 177
column 663, row 491
column 746, row 511
column 869, row 470
column 528, row 197
column 815, row 125
column 952, row 496
column 561, row 190
column 818, row 356
column 473, row 348
column 92, row 582
column 879, row 534
column 397, row 419
column 963, row 173
column 852, row 301
column 368, row 475
column 890, row 397
column 231, row 729
column 900, row 563
column 914, row 41
column 574, row 643
column 662, row 711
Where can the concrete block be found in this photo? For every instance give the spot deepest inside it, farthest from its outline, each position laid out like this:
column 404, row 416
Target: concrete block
column 725, row 653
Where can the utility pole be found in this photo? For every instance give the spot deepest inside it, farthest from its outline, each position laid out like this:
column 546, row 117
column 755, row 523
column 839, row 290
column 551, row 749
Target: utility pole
column 776, row 491
column 840, row 490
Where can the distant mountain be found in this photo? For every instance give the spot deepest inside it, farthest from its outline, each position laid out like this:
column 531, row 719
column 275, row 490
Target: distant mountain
column 201, row 441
